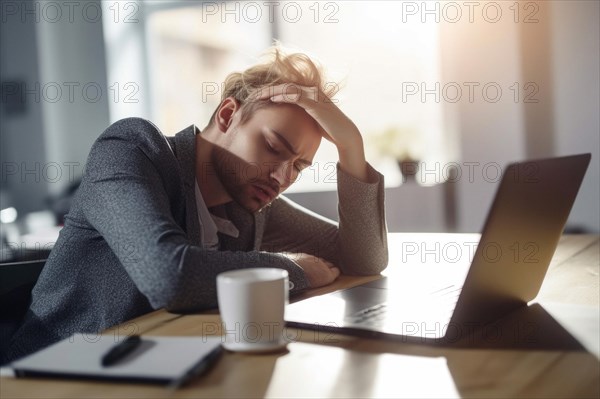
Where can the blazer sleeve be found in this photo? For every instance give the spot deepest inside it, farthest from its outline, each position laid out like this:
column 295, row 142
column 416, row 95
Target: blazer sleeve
column 124, row 198
column 357, row 245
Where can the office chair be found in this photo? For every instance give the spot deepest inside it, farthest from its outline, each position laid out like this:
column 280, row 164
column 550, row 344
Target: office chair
column 16, row 282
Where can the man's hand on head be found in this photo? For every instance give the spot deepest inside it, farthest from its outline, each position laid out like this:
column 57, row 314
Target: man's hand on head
column 319, row 272
column 336, row 126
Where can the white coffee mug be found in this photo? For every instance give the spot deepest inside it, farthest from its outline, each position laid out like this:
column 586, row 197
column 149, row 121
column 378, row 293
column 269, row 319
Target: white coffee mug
column 252, row 306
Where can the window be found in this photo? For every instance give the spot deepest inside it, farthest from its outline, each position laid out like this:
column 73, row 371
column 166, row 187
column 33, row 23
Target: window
column 381, row 59
column 384, row 61
column 191, row 50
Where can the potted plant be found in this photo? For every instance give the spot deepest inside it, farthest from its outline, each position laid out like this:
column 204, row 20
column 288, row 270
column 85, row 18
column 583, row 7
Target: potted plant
column 402, row 144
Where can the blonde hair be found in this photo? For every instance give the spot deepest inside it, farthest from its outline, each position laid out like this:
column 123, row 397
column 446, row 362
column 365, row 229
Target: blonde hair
column 280, row 66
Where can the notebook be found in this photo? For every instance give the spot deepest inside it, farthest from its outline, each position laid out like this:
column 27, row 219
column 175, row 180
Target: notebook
column 161, row 360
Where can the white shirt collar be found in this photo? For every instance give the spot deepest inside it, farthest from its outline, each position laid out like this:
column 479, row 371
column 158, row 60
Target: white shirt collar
column 210, row 224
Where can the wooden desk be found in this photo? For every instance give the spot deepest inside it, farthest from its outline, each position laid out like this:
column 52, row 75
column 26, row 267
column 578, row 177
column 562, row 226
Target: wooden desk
column 326, row 365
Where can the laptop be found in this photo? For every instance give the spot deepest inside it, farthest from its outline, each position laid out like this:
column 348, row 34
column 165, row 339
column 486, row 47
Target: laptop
column 519, row 237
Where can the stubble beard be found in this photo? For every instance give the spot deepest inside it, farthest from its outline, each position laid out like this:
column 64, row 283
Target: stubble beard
column 229, row 172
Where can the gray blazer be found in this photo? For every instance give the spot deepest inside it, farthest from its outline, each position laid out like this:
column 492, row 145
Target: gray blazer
column 131, row 241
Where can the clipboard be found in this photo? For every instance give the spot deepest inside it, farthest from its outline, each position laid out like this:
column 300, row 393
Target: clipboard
column 171, row 361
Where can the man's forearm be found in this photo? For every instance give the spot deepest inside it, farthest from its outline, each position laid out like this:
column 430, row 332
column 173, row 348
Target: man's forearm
column 353, row 162
column 362, row 234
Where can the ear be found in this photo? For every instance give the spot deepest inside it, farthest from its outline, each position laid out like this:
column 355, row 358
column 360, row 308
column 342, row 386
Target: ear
column 225, row 113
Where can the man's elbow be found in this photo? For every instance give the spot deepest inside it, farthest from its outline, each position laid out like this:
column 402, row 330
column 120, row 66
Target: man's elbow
column 179, row 297
column 175, row 300
column 373, row 264
column 167, row 298
column 379, row 265
column 168, row 286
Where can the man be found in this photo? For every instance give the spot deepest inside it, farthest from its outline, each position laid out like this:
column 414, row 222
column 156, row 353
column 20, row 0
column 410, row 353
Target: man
column 157, row 218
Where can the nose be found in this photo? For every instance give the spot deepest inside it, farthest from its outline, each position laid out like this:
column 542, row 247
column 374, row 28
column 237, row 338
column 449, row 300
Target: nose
column 284, row 173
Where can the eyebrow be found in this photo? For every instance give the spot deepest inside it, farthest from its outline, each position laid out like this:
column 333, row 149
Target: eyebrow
column 287, row 144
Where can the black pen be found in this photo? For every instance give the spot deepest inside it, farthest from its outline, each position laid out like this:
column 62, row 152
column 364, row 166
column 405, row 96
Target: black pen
column 121, row 350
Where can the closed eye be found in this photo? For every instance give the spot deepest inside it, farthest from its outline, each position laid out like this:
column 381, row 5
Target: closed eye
column 271, row 148
column 275, row 151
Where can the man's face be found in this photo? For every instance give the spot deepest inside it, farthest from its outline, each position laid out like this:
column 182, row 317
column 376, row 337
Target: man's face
column 260, row 159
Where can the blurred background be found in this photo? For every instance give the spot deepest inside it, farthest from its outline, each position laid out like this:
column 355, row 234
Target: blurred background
column 444, row 93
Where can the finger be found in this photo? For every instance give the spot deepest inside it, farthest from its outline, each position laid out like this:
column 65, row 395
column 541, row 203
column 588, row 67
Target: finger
column 260, row 94
column 301, row 95
column 326, row 263
column 286, row 98
column 316, row 259
column 335, row 272
column 269, row 91
column 288, row 92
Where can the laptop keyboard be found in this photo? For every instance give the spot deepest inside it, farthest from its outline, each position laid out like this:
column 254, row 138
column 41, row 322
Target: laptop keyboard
column 375, row 315
column 372, row 314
